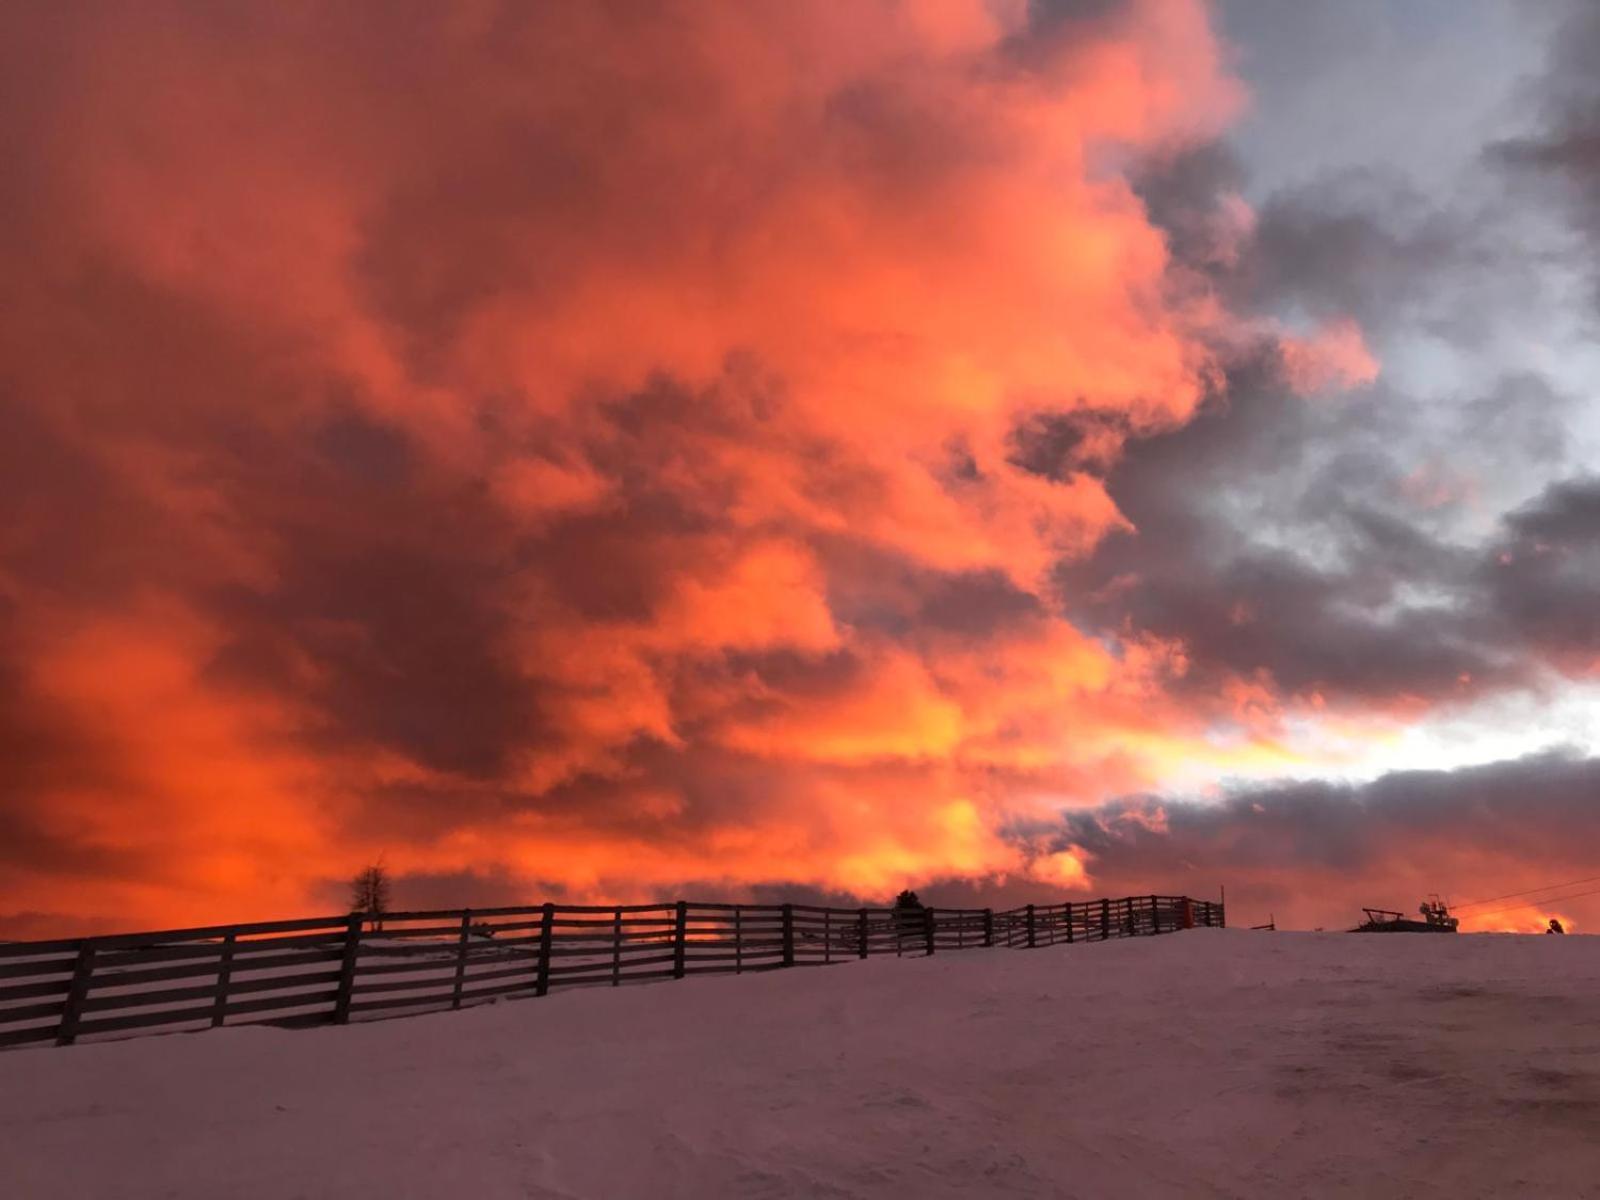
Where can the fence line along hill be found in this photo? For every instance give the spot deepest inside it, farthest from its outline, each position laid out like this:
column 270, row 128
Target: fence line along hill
column 354, row 966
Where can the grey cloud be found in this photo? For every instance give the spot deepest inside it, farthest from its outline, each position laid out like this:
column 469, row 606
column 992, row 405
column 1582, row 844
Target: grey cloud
column 1545, row 576
column 1560, row 154
column 1317, row 851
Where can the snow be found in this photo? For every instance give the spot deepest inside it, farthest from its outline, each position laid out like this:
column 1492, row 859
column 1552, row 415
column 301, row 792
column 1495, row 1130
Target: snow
column 1209, row 1063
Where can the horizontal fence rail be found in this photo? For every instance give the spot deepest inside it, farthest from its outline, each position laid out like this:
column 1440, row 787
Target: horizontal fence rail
column 355, row 967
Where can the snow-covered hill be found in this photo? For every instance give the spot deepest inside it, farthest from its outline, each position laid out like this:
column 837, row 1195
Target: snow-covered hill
column 1212, row 1063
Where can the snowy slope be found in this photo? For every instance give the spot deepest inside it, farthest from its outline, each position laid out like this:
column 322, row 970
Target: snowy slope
column 1212, row 1063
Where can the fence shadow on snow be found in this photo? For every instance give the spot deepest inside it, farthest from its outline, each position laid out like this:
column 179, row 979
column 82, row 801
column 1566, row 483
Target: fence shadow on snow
column 339, row 969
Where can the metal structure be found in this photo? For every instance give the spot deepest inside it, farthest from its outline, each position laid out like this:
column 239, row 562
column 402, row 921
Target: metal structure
column 1435, row 913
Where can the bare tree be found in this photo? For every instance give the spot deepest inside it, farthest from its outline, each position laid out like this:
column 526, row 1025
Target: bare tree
column 369, row 894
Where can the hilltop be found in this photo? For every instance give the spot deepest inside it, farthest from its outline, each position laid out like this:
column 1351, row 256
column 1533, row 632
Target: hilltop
column 1212, row 1063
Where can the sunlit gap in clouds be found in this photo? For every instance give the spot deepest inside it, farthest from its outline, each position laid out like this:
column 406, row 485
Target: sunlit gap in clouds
column 1361, row 748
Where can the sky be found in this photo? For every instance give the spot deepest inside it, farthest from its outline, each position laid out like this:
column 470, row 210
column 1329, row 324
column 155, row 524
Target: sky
column 1012, row 450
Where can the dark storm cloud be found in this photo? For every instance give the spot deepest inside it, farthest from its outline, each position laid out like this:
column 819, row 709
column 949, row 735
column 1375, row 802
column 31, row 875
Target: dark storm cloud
column 383, row 611
column 1564, row 149
column 975, row 602
column 1544, row 579
column 1360, row 244
column 1317, row 851
column 42, row 748
column 1340, row 546
column 1184, row 193
column 1354, row 596
column 1359, row 593
column 1567, row 515
column 1365, row 243
column 406, row 651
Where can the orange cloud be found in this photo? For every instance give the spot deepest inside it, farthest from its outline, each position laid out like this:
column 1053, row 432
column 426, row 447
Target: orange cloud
column 1334, row 356
column 574, row 445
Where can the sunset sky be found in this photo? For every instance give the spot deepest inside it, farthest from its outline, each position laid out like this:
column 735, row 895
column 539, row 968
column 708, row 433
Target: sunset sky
column 614, row 451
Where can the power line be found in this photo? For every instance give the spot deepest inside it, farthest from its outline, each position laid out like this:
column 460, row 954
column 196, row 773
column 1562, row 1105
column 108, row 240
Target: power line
column 1540, row 903
column 1549, row 887
column 1544, row 902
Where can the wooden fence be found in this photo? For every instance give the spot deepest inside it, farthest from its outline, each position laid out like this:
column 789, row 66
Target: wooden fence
column 344, row 968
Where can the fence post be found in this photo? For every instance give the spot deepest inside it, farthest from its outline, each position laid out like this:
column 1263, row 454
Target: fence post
column 1155, row 915
column 1222, row 915
column 77, row 992
column 788, row 935
column 1067, row 913
column 988, row 927
column 461, row 957
column 1105, row 919
column 547, row 928
column 928, row 923
column 347, row 969
column 862, row 918
column 616, row 949
column 680, row 941
column 224, row 973
column 1030, row 927
column 738, row 940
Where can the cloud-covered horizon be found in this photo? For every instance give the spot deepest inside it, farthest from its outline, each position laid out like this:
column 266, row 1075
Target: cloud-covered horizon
column 592, row 451
column 1518, row 826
